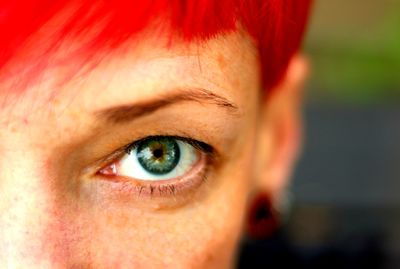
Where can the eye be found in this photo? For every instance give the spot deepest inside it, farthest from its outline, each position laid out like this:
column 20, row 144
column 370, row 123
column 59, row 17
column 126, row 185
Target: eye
column 158, row 158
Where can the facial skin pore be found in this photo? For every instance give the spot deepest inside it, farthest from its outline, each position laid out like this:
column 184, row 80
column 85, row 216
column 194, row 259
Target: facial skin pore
column 58, row 211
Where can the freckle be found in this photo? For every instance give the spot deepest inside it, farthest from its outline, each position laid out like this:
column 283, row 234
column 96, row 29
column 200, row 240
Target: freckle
column 13, row 128
column 75, row 115
column 236, row 81
column 118, row 221
column 221, row 61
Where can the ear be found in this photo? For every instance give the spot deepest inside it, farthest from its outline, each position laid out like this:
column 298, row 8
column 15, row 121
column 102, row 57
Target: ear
column 280, row 131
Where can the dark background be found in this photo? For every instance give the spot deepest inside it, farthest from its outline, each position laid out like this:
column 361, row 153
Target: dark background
column 345, row 193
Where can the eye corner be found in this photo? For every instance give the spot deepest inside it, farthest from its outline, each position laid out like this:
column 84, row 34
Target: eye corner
column 108, row 170
column 126, row 176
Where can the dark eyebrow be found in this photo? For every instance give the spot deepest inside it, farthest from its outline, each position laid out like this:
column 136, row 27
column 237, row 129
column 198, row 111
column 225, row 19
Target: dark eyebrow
column 125, row 113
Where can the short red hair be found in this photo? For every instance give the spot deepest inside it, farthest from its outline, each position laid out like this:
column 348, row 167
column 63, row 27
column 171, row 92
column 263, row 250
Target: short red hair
column 277, row 26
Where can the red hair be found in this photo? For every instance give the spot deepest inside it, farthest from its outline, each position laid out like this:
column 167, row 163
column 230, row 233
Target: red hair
column 277, row 26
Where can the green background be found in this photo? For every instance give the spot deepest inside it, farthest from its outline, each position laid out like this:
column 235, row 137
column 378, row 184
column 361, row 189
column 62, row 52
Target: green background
column 354, row 47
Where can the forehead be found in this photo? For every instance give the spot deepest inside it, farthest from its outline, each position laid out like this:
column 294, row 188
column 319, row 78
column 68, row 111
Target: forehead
column 140, row 70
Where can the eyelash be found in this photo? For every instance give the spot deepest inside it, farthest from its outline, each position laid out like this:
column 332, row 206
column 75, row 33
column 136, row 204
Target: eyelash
column 162, row 188
column 204, row 147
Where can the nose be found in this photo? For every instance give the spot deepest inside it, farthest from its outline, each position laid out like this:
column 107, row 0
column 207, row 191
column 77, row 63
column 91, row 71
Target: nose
column 32, row 223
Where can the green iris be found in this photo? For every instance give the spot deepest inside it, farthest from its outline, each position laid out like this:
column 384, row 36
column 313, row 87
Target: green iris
column 158, row 155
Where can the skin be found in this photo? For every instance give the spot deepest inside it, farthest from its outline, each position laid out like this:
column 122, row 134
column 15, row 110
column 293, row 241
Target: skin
column 56, row 212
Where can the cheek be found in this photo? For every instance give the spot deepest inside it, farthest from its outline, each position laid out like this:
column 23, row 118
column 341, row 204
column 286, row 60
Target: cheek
column 202, row 234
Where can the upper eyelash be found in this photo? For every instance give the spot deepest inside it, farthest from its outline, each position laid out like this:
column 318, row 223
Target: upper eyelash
column 204, row 147
column 211, row 156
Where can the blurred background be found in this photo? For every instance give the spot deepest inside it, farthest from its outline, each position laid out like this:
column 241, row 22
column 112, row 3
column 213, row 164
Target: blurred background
column 345, row 194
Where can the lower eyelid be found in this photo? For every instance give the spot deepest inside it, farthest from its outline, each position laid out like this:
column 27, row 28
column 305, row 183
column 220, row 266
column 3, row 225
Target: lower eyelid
column 163, row 188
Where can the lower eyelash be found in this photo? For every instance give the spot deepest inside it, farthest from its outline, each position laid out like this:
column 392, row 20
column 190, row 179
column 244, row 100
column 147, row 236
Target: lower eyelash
column 168, row 189
column 165, row 188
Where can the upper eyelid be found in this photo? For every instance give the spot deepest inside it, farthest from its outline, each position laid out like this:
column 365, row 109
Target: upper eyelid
column 183, row 186
column 206, row 148
column 117, row 154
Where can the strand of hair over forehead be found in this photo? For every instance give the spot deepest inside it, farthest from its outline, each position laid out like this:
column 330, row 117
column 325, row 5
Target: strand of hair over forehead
column 277, row 26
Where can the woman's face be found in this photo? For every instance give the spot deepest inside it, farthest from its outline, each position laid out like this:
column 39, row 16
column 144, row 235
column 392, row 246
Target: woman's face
column 144, row 162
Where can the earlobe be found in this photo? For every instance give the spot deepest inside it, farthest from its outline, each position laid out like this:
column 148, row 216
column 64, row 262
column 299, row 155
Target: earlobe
column 280, row 131
column 262, row 217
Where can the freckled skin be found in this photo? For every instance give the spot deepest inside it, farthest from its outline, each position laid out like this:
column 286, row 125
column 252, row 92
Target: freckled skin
column 55, row 214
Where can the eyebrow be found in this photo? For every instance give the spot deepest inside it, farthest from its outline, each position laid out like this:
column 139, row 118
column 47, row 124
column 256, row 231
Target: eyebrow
column 125, row 113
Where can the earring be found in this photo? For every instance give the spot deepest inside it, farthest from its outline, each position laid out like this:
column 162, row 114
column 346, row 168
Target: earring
column 263, row 218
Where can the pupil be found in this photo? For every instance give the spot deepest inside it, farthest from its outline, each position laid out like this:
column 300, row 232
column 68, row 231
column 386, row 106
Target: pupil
column 158, row 155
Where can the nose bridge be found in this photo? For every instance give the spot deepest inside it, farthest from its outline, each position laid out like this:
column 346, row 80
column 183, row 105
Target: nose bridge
column 31, row 230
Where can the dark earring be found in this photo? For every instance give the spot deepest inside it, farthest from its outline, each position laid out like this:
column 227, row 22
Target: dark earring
column 263, row 219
